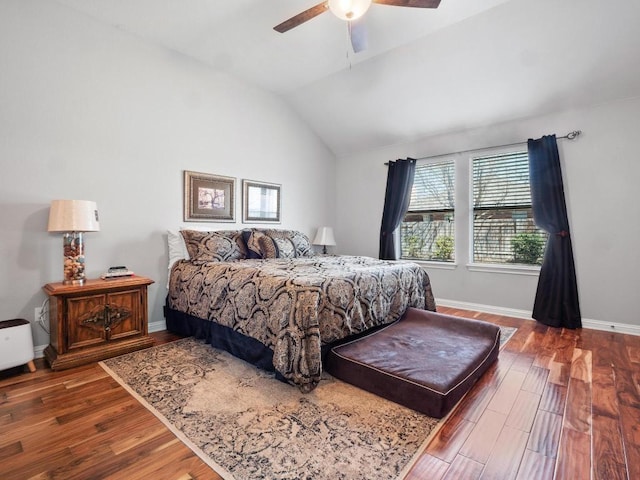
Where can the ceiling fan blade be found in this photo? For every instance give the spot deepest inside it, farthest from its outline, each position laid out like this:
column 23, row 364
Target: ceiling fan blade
column 302, row 17
column 410, row 3
column 358, row 35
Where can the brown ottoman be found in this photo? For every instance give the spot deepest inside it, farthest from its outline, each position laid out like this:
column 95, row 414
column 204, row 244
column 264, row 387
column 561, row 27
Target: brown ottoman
column 426, row 361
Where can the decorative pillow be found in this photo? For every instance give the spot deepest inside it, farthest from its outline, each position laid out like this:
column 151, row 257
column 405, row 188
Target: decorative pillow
column 251, row 239
column 218, row 246
column 301, row 243
column 267, row 247
column 284, row 247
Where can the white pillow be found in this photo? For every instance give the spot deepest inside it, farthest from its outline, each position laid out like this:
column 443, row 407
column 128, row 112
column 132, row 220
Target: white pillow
column 177, row 248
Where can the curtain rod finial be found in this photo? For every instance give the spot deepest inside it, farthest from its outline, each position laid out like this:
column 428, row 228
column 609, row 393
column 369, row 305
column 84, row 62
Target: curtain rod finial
column 574, row 134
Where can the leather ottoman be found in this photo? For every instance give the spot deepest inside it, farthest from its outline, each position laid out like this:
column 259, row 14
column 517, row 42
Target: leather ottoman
column 426, row 361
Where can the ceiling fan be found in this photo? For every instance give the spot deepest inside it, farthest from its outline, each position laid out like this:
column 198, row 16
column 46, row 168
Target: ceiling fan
column 350, row 10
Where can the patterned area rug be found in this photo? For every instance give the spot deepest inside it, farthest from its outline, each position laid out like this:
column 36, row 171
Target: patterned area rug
column 246, row 424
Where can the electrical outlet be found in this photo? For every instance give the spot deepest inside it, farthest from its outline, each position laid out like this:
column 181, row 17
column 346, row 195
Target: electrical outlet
column 41, row 314
column 42, row 317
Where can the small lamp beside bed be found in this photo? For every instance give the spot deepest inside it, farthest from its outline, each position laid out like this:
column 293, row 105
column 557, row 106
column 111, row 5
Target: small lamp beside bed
column 73, row 218
column 324, row 237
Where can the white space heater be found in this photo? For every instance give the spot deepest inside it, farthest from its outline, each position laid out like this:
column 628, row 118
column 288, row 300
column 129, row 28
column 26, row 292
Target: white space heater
column 16, row 344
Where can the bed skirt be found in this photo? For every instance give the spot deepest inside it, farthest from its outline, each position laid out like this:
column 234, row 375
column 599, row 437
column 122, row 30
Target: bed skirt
column 239, row 345
column 218, row 336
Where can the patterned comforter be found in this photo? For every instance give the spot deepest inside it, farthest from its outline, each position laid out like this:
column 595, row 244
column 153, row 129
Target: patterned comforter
column 293, row 306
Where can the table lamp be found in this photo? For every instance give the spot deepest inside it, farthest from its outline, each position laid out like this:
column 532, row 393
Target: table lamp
column 324, row 237
column 73, row 217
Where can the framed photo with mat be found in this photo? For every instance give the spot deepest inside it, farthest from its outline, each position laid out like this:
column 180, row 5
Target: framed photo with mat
column 209, row 198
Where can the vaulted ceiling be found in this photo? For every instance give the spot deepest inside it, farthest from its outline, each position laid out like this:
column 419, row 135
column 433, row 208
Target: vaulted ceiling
column 467, row 64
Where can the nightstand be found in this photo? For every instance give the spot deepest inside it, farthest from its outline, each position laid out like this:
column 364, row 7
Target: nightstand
column 97, row 320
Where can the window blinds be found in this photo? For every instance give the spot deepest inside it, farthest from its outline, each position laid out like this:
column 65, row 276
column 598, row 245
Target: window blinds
column 433, row 187
column 501, row 181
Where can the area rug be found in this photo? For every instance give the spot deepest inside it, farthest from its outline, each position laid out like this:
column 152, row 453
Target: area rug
column 245, row 424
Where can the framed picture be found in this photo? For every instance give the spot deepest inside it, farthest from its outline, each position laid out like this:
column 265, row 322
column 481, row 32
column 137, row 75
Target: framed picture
column 209, row 198
column 260, row 202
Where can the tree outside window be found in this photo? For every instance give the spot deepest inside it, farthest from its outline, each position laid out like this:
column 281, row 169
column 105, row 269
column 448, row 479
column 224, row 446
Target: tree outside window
column 427, row 232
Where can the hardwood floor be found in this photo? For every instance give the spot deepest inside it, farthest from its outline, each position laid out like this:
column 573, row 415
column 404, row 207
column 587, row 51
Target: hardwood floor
column 561, row 404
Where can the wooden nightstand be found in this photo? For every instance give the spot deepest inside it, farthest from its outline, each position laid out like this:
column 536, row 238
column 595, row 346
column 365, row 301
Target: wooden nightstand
column 97, row 320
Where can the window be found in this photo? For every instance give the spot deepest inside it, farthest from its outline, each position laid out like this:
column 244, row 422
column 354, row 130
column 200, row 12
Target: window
column 503, row 226
column 427, row 232
column 495, row 220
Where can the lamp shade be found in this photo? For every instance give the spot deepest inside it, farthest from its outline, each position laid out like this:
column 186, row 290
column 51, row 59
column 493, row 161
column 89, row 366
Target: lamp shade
column 73, row 216
column 324, row 236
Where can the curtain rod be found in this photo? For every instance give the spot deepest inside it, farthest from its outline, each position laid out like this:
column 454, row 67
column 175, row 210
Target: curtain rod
column 570, row 136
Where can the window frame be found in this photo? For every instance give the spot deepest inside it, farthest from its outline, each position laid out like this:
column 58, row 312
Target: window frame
column 464, row 215
column 441, row 264
column 486, row 267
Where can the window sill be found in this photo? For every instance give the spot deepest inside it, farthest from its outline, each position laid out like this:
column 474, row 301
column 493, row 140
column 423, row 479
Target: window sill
column 434, row 265
column 531, row 270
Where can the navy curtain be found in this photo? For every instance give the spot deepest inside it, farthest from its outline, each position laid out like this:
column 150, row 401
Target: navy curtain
column 396, row 202
column 556, row 302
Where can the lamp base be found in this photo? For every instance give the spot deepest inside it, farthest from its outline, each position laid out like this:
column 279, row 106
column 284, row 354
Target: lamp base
column 73, row 245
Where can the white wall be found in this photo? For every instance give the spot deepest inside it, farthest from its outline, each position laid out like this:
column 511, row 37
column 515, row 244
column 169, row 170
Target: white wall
column 601, row 172
column 90, row 112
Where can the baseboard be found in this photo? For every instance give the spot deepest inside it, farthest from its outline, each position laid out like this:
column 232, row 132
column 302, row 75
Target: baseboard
column 478, row 307
column 611, row 326
column 526, row 315
column 38, row 351
column 157, row 326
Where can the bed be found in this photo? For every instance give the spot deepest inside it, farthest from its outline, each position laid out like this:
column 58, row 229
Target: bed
column 264, row 296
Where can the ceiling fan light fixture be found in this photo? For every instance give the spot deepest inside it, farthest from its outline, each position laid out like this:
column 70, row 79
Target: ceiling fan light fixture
column 349, row 9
